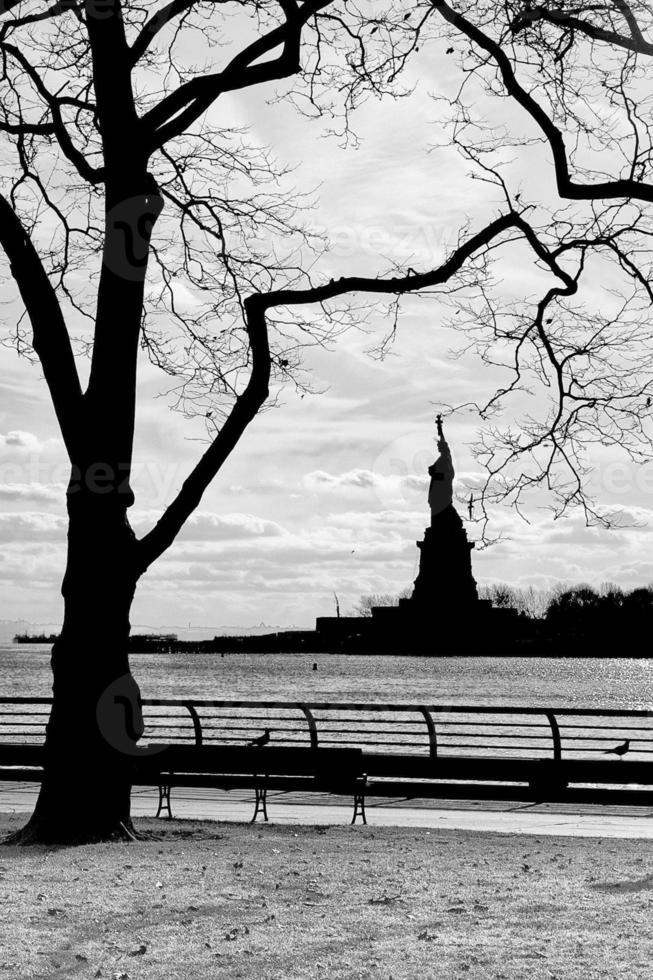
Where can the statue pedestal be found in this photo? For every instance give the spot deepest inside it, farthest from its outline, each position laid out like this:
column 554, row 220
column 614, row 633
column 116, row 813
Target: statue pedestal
column 445, row 583
column 444, row 613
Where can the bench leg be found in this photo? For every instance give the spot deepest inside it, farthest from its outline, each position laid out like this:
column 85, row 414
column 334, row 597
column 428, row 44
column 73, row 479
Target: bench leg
column 164, row 800
column 359, row 806
column 547, row 789
column 260, row 802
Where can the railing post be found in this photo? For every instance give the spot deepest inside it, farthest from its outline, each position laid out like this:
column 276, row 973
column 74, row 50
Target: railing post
column 555, row 733
column 430, row 724
column 312, row 727
column 195, row 718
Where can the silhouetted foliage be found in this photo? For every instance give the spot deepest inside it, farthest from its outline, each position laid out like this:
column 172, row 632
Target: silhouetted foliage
column 366, row 603
column 601, row 618
column 528, row 601
column 501, row 596
column 599, row 615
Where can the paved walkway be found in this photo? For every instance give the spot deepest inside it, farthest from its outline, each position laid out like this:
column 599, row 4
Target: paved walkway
column 315, row 808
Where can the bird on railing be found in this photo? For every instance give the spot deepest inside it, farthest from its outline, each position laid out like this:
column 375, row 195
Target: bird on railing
column 619, row 749
column 262, row 739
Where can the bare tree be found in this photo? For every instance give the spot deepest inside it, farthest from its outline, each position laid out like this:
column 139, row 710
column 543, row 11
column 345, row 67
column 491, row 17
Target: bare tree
column 106, row 121
column 529, row 601
column 120, row 185
column 366, row 603
column 117, row 187
column 573, row 84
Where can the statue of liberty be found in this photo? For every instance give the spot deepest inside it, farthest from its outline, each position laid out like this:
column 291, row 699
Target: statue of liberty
column 442, row 474
column 445, row 580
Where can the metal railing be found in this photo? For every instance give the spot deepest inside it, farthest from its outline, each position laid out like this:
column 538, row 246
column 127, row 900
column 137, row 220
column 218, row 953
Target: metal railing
column 417, row 729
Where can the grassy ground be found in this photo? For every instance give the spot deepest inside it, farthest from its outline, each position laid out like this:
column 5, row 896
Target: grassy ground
column 287, row 903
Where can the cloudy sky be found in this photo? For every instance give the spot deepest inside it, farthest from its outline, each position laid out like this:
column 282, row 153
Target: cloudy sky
column 327, row 493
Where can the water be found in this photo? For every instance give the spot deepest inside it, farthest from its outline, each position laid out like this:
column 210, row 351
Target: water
column 551, row 682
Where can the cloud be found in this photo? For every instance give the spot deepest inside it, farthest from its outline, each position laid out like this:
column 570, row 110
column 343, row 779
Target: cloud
column 321, row 481
column 206, row 526
column 631, row 517
column 258, row 487
column 16, row 439
column 32, row 562
column 387, row 487
column 635, row 573
column 329, row 545
column 36, row 492
column 32, row 526
column 379, row 520
column 217, row 527
column 471, row 479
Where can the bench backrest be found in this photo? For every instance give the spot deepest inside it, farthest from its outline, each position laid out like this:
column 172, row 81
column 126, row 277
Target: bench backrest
column 269, row 760
column 21, row 755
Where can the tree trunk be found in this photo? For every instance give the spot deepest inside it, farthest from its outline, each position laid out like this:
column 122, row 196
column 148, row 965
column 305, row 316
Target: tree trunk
column 96, row 719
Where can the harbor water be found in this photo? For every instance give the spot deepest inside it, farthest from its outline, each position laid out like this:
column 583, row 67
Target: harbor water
column 540, row 682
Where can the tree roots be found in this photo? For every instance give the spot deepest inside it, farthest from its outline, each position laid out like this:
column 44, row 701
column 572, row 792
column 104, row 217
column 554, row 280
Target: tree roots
column 41, row 832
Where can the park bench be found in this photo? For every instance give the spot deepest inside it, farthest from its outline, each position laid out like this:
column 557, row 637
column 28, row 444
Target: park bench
column 337, row 771
column 20, row 763
column 350, row 772
column 413, row 751
column 329, row 770
column 611, row 781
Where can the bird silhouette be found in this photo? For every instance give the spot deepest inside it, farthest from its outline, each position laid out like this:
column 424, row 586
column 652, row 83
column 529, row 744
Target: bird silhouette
column 619, row 749
column 262, row 739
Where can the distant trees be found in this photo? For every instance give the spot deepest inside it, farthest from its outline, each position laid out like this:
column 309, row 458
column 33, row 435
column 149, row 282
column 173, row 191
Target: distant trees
column 578, row 610
column 566, row 619
column 601, row 620
column 530, row 601
column 501, row 596
column 366, row 603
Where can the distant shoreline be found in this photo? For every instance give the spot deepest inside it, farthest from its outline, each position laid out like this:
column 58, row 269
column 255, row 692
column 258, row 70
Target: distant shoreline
column 312, row 643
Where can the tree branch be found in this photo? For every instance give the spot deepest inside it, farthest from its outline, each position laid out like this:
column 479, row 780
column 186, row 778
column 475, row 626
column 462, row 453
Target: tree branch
column 174, row 114
column 622, row 188
column 58, row 127
column 51, row 340
column 155, row 24
column 116, row 108
column 60, row 7
column 132, row 206
column 418, row 281
column 28, row 129
column 247, row 404
column 7, row 5
column 636, row 42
